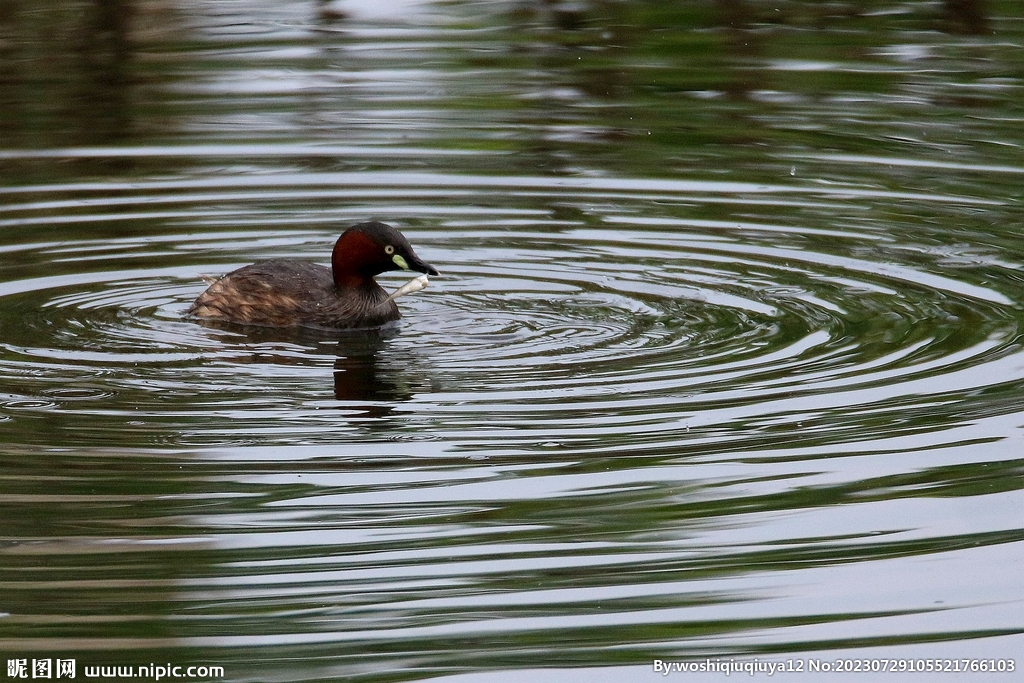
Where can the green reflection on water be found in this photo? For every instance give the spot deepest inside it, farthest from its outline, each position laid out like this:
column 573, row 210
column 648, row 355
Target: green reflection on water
column 170, row 551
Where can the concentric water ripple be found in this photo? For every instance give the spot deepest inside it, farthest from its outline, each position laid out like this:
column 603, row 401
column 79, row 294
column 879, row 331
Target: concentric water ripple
column 590, row 320
column 724, row 359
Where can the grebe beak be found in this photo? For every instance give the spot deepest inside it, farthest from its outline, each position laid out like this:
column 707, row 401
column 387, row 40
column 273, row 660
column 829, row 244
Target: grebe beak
column 413, row 262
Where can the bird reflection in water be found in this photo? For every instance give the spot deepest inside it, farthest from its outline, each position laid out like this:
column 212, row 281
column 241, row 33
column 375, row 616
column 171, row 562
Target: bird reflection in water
column 363, row 369
column 360, row 374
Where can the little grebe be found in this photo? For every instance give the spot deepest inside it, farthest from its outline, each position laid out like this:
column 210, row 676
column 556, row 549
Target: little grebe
column 290, row 293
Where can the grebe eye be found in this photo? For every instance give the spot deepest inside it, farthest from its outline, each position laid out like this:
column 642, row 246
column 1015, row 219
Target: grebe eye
column 389, row 250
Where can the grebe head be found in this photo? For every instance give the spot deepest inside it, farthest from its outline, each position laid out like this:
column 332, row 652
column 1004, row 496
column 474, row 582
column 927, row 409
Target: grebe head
column 369, row 249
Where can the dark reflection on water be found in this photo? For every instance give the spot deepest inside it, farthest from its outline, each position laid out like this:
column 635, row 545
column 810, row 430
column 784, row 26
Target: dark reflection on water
column 361, row 375
column 362, row 372
column 725, row 362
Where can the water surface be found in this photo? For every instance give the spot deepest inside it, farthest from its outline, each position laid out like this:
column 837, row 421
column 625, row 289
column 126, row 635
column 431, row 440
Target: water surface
column 724, row 361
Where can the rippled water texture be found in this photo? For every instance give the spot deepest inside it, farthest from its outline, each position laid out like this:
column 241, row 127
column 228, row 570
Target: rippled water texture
column 724, row 360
